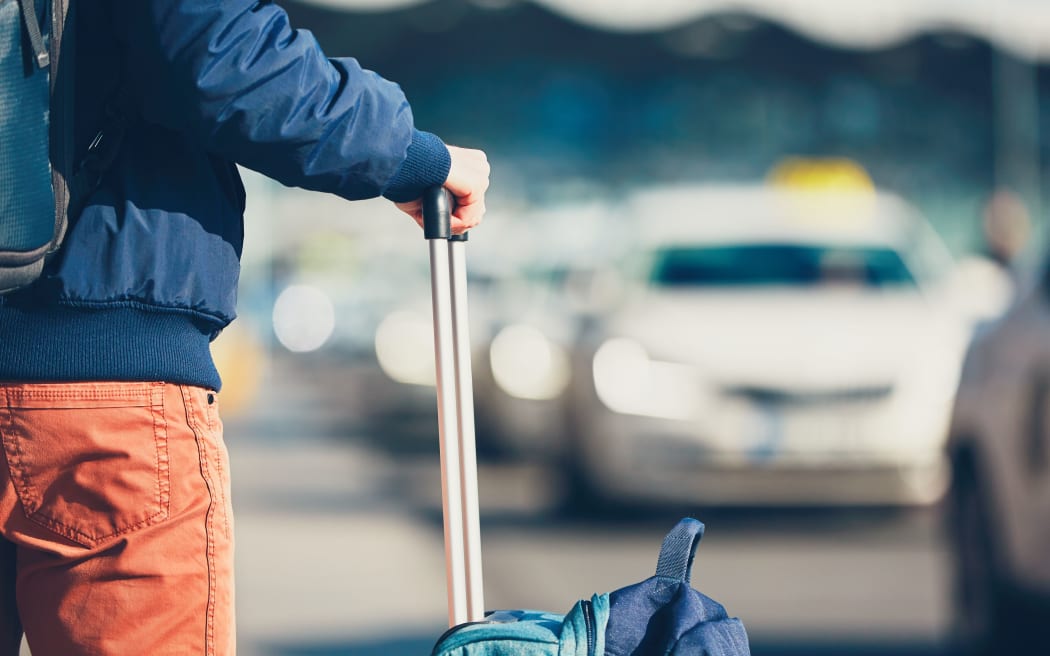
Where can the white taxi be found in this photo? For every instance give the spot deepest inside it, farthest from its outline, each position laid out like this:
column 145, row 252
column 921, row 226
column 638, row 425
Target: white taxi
column 773, row 346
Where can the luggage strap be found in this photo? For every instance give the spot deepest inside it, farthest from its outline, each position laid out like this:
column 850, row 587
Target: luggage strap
column 679, row 549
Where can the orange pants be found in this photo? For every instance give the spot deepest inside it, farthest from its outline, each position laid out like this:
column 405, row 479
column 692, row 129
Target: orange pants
column 117, row 535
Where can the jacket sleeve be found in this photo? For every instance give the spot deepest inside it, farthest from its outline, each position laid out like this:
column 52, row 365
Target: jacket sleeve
column 233, row 76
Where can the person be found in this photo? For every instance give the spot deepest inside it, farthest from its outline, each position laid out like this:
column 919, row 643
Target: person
column 1006, row 226
column 115, row 516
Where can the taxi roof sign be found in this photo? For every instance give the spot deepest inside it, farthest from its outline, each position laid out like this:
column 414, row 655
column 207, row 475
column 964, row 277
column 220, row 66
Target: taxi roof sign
column 837, row 174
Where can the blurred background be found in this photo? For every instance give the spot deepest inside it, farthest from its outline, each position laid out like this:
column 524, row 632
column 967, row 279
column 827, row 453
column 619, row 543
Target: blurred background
column 775, row 264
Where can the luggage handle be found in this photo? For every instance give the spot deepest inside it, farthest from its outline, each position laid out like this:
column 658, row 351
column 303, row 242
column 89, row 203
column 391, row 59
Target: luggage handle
column 455, row 398
column 679, row 549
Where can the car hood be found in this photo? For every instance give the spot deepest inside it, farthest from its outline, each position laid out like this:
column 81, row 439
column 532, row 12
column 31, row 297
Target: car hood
column 795, row 339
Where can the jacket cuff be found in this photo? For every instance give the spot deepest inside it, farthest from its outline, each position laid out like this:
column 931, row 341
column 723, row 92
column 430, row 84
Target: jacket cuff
column 426, row 164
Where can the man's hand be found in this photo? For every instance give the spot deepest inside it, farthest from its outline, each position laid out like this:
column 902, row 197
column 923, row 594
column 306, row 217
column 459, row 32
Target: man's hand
column 468, row 179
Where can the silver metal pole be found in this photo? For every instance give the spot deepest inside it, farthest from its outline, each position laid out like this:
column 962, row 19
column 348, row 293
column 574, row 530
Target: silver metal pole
column 467, row 442
column 451, row 474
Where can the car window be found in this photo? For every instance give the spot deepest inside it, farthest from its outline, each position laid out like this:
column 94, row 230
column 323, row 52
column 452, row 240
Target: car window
column 779, row 265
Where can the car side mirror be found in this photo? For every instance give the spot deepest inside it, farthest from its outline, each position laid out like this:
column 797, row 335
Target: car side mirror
column 978, row 289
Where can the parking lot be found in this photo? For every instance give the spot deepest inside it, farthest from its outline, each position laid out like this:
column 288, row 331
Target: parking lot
column 339, row 545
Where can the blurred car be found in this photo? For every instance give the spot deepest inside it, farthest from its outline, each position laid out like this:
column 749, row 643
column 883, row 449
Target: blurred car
column 398, row 371
column 999, row 500
column 550, row 255
column 773, row 346
column 522, row 372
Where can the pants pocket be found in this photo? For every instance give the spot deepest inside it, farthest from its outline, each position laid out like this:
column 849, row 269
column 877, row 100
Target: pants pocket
column 89, row 461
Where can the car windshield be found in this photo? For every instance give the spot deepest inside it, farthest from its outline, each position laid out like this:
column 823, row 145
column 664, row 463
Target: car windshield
column 779, row 265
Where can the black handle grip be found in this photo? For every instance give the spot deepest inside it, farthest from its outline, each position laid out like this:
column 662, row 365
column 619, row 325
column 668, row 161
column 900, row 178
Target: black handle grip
column 437, row 213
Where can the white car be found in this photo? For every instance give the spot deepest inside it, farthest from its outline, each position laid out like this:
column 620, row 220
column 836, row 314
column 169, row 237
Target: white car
column 771, row 347
column 999, row 502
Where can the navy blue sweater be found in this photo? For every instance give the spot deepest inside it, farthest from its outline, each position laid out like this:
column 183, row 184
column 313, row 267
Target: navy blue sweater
column 148, row 272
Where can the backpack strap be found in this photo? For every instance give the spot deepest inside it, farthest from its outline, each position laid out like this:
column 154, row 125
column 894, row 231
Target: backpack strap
column 36, row 39
column 679, row 549
column 63, row 73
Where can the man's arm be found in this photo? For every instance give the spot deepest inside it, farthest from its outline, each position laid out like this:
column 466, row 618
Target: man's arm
column 235, row 77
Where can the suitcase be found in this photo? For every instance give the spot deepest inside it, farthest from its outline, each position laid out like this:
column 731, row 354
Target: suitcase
column 662, row 615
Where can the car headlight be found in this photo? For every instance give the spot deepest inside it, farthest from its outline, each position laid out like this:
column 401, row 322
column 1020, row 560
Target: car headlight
column 628, row 381
column 527, row 365
column 303, row 318
column 404, row 348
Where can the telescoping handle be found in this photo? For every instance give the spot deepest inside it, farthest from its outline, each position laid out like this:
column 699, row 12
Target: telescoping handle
column 455, row 398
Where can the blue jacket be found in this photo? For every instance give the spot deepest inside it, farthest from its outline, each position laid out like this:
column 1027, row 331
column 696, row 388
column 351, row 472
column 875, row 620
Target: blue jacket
column 148, row 272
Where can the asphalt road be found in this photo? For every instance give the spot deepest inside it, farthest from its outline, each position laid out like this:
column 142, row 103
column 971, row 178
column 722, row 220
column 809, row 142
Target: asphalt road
column 339, row 546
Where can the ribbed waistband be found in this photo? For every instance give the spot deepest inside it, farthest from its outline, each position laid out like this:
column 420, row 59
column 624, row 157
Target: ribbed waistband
column 59, row 344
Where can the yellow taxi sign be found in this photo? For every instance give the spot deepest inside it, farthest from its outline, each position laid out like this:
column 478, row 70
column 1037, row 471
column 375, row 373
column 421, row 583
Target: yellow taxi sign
column 833, row 195
column 831, row 174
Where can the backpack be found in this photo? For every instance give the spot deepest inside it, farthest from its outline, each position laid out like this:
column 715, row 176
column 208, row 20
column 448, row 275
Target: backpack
column 35, row 135
column 661, row 616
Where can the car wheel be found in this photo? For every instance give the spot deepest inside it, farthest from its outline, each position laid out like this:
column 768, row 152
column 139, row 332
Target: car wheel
column 974, row 593
column 990, row 618
column 580, row 495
